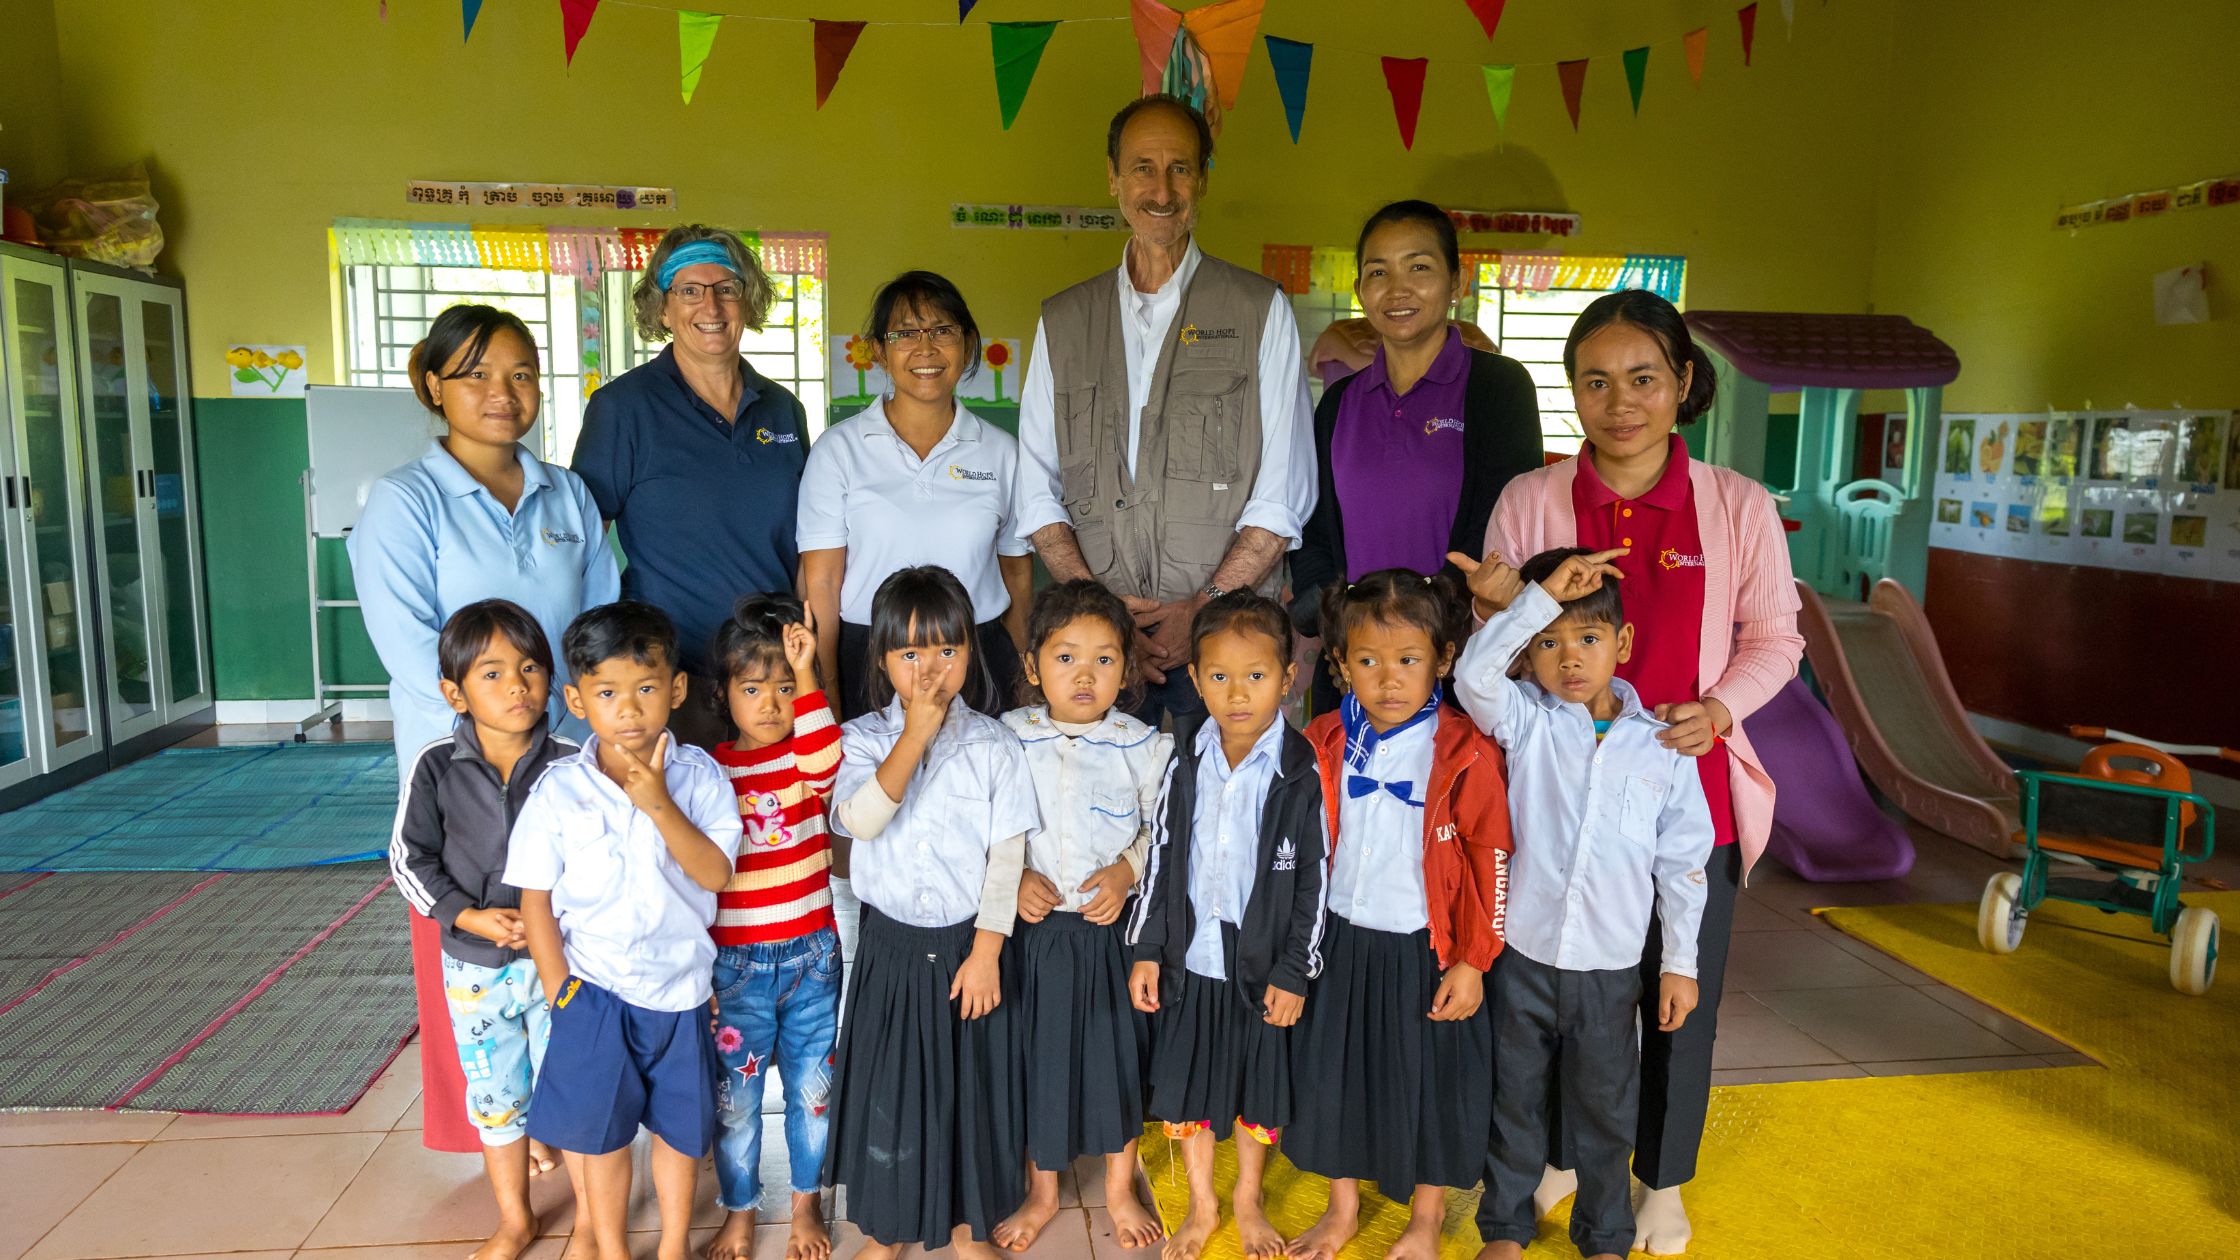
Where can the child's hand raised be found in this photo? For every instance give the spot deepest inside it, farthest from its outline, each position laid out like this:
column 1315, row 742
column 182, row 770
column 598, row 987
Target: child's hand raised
column 1676, row 996
column 1283, row 1006
column 1112, row 885
column 642, row 780
column 800, row 643
column 1493, row 584
column 1037, row 896
column 500, row 927
column 927, row 702
column 1461, row 991
column 1143, row 987
column 1580, row 576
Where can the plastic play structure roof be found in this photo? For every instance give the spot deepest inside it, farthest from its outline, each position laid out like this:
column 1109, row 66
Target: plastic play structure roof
column 1841, row 351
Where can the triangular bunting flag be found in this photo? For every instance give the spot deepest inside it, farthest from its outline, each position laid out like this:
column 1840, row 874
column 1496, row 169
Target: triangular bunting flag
column 1018, row 50
column 1488, row 13
column 834, row 41
column 469, row 10
column 1403, row 77
column 1291, row 61
column 964, row 8
column 1789, row 17
column 575, row 19
column 1692, row 44
column 1748, row 16
column 1500, row 82
column 1224, row 33
column 1573, row 76
column 696, row 35
column 1156, row 26
column 1637, row 70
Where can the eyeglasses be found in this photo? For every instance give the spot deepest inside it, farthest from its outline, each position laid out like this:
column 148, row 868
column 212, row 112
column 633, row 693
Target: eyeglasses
column 941, row 334
column 727, row 291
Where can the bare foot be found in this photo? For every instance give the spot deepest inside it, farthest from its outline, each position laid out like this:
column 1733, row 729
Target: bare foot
column 1556, row 1185
column 735, row 1241
column 1018, row 1231
column 581, row 1245
column 1327, row 1236
column 808, row 1239
column 674, row 1247
column 1660, row 1221
column 1420, row 1240
column 1197, row 1227
column 542, row 1158
column 969, row 1248
column 511, row 1240
column 878, row 1250
column 1501, row 1251
column 1132, row 1224
column 1255, row 1236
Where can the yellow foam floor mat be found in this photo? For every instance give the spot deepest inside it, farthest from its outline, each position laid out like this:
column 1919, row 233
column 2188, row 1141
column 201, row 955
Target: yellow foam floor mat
column 2139, row 1157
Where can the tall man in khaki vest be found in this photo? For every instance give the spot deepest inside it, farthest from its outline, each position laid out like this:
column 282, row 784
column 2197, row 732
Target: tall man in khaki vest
column 1166, row 440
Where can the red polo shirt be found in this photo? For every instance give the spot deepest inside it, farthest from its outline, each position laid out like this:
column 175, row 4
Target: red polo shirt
column 1663, row 591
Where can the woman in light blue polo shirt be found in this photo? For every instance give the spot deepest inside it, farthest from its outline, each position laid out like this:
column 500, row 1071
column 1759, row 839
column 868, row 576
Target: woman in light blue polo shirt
column 477, row 517
column 915, row 479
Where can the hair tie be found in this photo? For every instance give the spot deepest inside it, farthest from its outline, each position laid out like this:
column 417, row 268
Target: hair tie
column 689, row 254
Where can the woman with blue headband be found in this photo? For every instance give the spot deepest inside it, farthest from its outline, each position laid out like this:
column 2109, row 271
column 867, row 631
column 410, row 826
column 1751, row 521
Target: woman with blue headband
column 696, row 457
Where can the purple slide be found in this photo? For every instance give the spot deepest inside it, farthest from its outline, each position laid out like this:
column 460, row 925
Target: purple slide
column 1826, row 826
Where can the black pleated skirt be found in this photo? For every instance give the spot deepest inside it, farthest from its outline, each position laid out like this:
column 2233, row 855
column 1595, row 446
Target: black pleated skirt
column 1085, row 1043
column 1388, row 1094
column 1215, row 1059
column 928, row 1120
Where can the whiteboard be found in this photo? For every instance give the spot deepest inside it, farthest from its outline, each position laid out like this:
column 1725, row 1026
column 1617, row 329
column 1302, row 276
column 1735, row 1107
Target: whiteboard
column 358, row 435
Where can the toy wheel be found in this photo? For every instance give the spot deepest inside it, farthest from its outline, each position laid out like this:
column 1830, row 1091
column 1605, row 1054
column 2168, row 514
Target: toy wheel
column 1998, row 923
column 2193, row 951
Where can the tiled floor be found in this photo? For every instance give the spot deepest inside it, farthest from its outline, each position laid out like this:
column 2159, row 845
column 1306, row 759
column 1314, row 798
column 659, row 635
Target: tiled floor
column 1803, row 1002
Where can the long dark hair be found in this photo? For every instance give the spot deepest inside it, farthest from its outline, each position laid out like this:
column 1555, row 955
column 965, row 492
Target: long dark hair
column 1414, row 211
column 467, row 327
column 926, row 291
column 1661, row 320
column 925, row 604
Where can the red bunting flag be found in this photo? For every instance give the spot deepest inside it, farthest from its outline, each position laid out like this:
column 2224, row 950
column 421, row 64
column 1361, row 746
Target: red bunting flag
column 1573, row 76
column 575, row 19
column 1692, row 44
column 1488, row 13
column 1748, row 16
column 1403, row 77
column 1155, row 26
column 834, row 41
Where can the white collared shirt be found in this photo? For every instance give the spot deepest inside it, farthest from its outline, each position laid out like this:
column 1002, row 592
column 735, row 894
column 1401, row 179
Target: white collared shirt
column 632, row 921
column 952, row 850
column 1283, row 491
column 1097, row 790
column 1225, row 839
column 1602, row 829
column 865, row 489
column 1376, row 859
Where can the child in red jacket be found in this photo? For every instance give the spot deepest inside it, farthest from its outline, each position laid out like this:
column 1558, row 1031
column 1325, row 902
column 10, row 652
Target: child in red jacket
column 1396, row 1050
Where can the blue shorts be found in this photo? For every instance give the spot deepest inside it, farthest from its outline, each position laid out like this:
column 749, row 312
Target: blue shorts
column 612, row 1066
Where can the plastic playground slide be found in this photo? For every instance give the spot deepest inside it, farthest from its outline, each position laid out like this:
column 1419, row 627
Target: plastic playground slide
column 1878, row 665
column 1826, row 825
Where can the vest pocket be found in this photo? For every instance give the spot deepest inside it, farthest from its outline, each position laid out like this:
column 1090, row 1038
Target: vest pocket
column 1204, row 424
column 1077, row 447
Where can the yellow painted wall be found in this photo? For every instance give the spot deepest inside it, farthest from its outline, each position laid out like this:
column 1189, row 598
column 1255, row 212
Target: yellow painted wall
column 34, row 147
column 268, row 119
column 1998, row 120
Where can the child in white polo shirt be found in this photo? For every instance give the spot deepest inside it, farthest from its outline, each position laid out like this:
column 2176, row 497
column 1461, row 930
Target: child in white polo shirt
column 618, row 854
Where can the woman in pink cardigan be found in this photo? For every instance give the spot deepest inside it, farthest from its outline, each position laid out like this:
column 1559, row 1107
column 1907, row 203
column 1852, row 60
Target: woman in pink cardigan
column 1714, row 609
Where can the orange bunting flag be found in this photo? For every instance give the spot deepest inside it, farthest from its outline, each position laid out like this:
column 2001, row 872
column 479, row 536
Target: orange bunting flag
column 1573, row 76
column 1692, row 44
column 575, row 19
column 1224, row 33
column 1155, row 26
column 834, row 41
column 1403, row 77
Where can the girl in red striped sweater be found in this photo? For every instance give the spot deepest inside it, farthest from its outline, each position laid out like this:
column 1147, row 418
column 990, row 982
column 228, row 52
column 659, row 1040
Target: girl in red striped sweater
column 777, row 975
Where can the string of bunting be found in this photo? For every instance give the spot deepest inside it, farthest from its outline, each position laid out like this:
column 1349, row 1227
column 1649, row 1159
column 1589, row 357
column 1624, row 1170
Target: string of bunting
column 582, row 252
column 1199, row 55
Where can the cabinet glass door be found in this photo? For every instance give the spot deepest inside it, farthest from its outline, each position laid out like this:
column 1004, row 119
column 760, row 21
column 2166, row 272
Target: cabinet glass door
column 56, row 599
column 164, row 349
column 134, row 702
column 18, row 730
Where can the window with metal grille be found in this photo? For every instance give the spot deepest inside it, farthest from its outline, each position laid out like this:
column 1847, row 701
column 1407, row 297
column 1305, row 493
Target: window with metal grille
column 387, row 310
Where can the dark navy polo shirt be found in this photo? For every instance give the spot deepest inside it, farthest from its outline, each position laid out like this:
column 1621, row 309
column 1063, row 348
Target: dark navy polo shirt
column 704, row 504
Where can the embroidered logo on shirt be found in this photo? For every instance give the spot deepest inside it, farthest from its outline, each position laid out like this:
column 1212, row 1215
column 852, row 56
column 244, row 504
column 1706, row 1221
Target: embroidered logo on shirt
column 1192, row 334
column 1446, row 832
column 1672, row 559
column 959, row 473
column 1436, row 423
column 766, row 437
column 559, row 537
column 1287, row 856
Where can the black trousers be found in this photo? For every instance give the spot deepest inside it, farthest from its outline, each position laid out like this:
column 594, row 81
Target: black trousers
column 1574, row 1027
column 1676, row 1066
column 1177, row 698
column 993, row 643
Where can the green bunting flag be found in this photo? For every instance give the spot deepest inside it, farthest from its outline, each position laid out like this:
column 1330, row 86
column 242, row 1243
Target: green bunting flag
column 1500, row 81
column 1018, row 50
column 1637, row 70
column 696, row 36
column 1291, row 61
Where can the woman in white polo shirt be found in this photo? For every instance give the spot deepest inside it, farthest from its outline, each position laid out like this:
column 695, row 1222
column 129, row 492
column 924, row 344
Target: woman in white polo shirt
column 914, row 479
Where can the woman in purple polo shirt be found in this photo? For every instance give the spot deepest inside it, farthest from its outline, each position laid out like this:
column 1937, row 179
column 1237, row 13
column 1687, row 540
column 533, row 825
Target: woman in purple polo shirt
column 1415, row 448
